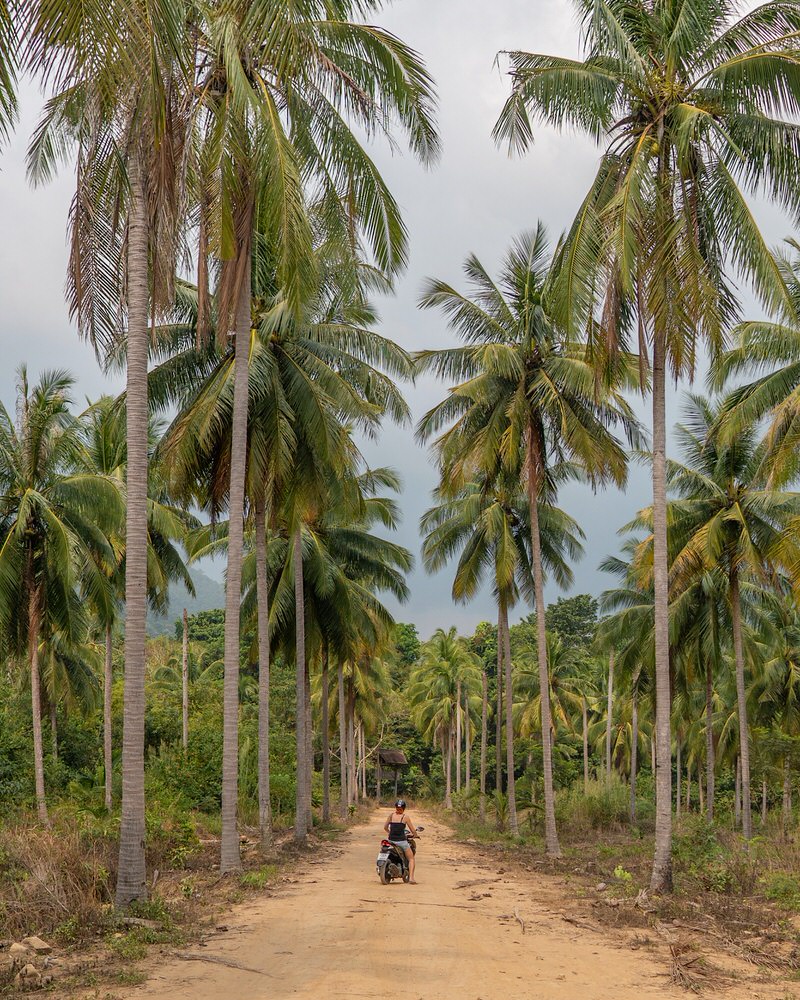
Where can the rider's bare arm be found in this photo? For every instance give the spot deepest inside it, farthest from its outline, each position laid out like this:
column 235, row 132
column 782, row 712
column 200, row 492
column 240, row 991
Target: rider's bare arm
column 411, row 827
column 386, row 824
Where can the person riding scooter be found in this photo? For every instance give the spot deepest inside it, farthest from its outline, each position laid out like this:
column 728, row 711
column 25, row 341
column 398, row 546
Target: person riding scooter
column 395, row 828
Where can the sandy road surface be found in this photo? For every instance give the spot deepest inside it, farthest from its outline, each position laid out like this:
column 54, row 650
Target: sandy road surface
column 337, row 932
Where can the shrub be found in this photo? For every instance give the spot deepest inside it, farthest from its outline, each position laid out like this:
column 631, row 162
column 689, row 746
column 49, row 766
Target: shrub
column 47, row 874
column 603, row 805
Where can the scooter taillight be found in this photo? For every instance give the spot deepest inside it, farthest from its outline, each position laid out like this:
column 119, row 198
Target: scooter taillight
column 386, row 843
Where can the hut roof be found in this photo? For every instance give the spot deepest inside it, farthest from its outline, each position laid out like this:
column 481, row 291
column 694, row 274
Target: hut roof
column 394, row 758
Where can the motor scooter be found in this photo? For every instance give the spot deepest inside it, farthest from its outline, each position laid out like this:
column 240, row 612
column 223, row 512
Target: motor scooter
column 392, row 862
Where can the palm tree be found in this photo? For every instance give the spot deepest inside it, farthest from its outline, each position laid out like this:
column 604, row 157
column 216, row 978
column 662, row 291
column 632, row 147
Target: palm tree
column 433, row 693
column 276, row 82
column 728, row 516
column 489, row 523
column 123, row 86
column 569, row 681
column 310, row 375
column 530, row 403
column 55, row 526
column 770, row 348
column 689, row 103
column 8, row 58
column 104, row 452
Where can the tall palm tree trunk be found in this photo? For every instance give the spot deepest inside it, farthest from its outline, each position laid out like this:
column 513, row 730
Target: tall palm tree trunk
column 709, row 743
column 309, row 754
column 343, row 803
column 661, row 877
column 634, row 747
column 458, row 736
column 34, row 619
column 131, row 872
column 688, row 786
column 609, row 714
column 448, row 788
column 585, row 719
column 737, row 794
column 185, row 683
column 326, row 745
column 467, row 737
column 351, row 741
column 300, row 818
column 741, row 698
column 552, row 845
column 230, row 857
column 678, row 777
column 264, row 654
column 108, row 750
column 513, row 823
column 498, row 721
column 484, row 738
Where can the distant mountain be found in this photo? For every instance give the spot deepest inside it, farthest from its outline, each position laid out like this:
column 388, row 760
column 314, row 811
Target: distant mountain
column 210, row 594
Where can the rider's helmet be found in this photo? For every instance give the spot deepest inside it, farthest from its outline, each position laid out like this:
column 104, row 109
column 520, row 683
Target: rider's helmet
column 400, row 804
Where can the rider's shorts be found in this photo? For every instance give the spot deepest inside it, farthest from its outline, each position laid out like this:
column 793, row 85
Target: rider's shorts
column 402, row 844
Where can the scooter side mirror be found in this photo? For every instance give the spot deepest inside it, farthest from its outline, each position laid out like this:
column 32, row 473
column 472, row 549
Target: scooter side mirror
column 420, row 828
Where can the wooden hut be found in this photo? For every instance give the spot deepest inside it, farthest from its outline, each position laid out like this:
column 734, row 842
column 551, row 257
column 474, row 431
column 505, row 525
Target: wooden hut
column 392, row 760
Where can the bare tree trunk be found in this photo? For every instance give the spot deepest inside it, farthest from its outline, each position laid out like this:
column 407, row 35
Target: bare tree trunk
column 709, row 743
column 467, row 736
column 300, row 818
column 484, row 740
column 448, row 790
column 634, row 746
column 309, row 755
column 688, row 787
column 131, row 872
column 700, row 798
column 585, row 714
column 458, row 736
column 552, row 845
column 513, row 822
column 609, row 714
column 498, row 722
column 678, row 777
column 326, row 744
column 34, row 619
column 108, row 750
column 343, row 803
column 351, row 709
column 378, row 776
column 737, row 795
column 185, row 683
column 264, row 666
column 763, row 802
column 661, row 878
column 741, row 698
column 363, row 762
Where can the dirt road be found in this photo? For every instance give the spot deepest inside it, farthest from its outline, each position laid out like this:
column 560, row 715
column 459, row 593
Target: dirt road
column 336, row 932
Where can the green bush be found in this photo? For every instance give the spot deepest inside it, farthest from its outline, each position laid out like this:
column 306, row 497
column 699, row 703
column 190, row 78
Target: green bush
column 603, row 805
column 783, row 888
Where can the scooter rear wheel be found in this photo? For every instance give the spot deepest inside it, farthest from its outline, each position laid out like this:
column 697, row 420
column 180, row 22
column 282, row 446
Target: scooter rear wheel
column 385, row 880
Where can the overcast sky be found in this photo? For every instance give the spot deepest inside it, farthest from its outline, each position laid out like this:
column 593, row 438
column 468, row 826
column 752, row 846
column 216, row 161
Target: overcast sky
column 475, row 200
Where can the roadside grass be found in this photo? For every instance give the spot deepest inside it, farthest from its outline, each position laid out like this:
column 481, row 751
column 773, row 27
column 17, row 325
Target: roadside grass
column 738, row 898
column 58, row 883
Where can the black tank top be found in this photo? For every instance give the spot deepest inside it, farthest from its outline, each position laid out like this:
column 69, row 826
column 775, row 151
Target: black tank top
column 397, row 831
